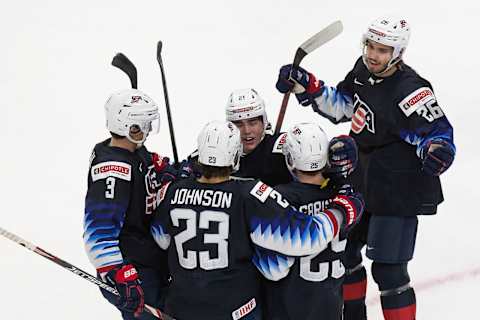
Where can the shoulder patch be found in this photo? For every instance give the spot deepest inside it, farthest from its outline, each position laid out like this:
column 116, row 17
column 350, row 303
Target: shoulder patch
column 416, row 99
column 278, row 145
column 261, row 191
column 114, row 169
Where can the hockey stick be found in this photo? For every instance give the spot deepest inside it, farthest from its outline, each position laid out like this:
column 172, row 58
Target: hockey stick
column 123, row 63
column 167, row 103
column 79, row 272
column 305, row 48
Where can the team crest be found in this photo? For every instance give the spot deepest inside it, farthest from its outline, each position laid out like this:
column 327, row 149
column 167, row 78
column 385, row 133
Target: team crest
column 152, row 186
column 363, row 117
column 137, row 99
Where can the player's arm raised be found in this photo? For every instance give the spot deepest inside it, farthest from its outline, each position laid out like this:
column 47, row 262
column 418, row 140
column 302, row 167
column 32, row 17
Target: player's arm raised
column 333, row 103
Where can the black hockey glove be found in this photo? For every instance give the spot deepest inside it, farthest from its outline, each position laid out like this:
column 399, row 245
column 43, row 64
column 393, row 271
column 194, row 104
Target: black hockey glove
column 125, row 279
column 301, row 82
column 350, row 204
column 437, row 156
column 342, row 156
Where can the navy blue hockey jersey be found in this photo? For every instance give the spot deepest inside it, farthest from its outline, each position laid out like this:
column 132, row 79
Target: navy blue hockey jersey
column 392, row 119
column 307, row 287
column 266, row 162
column 121, row 197
column 210, row 231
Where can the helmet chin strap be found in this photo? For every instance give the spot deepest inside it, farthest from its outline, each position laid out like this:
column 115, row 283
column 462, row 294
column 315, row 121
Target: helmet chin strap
column 393, row 62
column 387, row 68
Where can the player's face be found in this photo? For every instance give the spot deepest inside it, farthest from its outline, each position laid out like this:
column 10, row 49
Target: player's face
column 251, row 132
column 136, row 133
column 377, row 56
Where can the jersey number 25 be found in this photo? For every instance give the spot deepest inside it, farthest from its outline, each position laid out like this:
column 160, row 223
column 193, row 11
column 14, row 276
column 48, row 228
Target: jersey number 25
column 337, row 271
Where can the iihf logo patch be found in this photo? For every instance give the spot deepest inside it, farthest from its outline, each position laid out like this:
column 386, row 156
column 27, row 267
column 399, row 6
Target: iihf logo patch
column 363, row 116
column 244, row 310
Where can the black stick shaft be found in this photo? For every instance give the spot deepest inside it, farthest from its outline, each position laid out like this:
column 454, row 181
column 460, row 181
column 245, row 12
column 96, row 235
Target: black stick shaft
column 167, row 103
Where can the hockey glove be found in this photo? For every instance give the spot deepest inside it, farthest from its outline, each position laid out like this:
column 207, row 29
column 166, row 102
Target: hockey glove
column 185, row 169
column 301, row 82
column 437, row 157
column 342, row 156
column 125, row 279
column 350, row 204
column 168, row 172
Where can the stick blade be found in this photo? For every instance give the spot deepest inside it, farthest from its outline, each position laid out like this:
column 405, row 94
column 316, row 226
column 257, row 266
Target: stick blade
column 322, row 37
column 123, row 63
column 318, row 39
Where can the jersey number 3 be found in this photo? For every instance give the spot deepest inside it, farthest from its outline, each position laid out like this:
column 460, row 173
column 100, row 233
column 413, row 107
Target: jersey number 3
column 110, row 192
column 190, row 258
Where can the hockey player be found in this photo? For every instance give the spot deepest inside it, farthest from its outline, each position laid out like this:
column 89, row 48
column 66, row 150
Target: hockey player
column 123, row 181
column 405, row 142
column 208, row 225
column 262, row 156
column 308, row 287
column 262, row 150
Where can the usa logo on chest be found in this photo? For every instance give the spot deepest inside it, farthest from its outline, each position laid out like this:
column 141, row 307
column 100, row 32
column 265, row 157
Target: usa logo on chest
column 363, row 116
column 152, row 187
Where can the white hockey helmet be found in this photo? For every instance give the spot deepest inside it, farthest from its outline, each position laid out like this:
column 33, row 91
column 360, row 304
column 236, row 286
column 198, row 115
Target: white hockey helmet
column 132, row 108
column 390, row 31
column 246, row 104
column 219, row 145
column 306, row 147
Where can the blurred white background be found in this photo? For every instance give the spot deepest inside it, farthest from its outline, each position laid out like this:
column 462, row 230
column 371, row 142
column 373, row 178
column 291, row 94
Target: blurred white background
column 56, row 77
